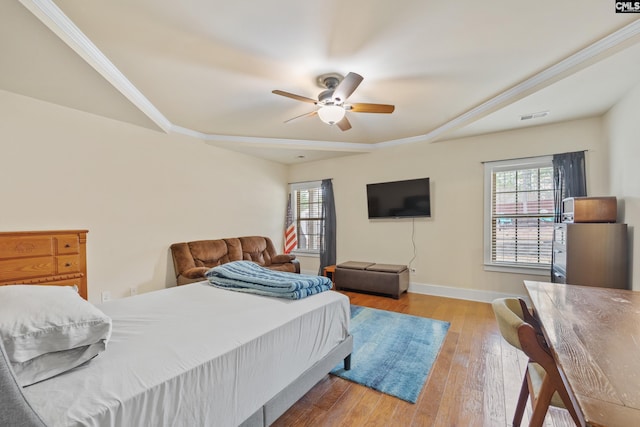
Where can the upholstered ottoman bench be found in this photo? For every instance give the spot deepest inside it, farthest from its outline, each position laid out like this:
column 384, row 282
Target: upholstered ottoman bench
column 388, row 279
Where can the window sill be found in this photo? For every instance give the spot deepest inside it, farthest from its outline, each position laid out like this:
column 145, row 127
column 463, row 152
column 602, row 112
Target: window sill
column 534, row 271
column 309, row 254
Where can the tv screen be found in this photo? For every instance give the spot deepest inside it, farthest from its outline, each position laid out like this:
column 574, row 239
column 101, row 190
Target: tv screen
column 399, row 199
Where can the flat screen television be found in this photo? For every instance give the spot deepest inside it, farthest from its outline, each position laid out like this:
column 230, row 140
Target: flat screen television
column 399, row 199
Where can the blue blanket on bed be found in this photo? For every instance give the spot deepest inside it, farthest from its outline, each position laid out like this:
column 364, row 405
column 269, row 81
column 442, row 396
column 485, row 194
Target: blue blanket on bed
column 247, row 276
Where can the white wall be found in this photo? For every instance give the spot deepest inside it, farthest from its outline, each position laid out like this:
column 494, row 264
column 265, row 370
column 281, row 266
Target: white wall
column 449, row 246
column 135, row 190
column 623, row 136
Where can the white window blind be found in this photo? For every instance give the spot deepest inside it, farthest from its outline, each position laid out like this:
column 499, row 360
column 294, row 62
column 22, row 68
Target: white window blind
column 308, row 218
column 519, row 216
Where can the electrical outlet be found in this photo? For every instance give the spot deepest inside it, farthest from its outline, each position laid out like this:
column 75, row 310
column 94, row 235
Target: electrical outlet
column 133, row 290
column 413, row 270
column 106, row 296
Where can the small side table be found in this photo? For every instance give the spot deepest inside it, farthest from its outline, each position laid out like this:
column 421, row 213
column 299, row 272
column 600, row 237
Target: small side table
column 329, row 271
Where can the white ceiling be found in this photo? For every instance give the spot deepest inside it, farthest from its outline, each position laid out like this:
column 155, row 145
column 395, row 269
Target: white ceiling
column 207, row 68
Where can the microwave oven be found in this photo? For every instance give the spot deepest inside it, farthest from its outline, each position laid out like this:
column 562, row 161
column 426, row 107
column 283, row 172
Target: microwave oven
column 589, row 209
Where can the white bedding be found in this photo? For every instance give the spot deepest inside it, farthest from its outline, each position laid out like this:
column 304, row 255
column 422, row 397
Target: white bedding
column 193, row 355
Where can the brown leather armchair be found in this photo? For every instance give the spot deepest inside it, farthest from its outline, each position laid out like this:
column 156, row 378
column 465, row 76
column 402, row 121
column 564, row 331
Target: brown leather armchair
column 192, row 259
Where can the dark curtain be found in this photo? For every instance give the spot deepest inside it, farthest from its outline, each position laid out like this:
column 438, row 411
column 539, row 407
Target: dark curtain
column 569, row 179
column 328, row 229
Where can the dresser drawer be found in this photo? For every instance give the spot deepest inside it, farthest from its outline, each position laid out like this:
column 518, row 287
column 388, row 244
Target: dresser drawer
column 558, row 276
column 13, row 269
column 560, row 259
column 68, row 244
column 65, row 282
column 560, row 234
column 26, row 246
column 68, row 264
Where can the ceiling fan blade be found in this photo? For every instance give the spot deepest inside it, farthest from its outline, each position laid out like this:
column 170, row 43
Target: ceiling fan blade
column 371, row 108
column 346, row 87
column 294, row 96
column 311, row 114
column 344, row 124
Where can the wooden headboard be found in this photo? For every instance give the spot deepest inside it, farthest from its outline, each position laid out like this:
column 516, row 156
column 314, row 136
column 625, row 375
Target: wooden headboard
column 44, row 258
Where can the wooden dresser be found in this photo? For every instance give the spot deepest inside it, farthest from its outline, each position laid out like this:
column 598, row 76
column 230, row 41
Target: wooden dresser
column 44, row 258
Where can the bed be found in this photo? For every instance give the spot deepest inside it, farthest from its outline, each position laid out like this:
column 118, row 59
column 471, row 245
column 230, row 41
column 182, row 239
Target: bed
column 199, row 355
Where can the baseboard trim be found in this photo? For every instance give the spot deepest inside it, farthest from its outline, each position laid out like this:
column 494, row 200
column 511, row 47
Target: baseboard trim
column 459, row 293
column 451, row 292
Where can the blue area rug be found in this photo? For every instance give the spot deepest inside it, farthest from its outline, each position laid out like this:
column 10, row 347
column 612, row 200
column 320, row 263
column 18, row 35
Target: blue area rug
column 392, row 352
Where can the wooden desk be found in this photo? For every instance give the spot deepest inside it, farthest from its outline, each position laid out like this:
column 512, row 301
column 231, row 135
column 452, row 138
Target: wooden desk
column 594, row 334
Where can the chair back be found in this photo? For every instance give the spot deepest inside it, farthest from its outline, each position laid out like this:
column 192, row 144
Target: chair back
column 15, row 410
column 522, row 330
column 510, row 317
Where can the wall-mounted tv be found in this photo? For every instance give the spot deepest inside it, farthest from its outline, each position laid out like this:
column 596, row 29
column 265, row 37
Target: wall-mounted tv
column 399, row 199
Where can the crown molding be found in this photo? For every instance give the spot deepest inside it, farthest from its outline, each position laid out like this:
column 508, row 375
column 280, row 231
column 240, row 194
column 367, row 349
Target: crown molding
column 50, row 15
column 63, row 27
column 544, row 77
column 289, row 143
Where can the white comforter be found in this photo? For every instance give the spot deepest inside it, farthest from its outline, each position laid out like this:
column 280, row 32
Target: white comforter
column 193, row 355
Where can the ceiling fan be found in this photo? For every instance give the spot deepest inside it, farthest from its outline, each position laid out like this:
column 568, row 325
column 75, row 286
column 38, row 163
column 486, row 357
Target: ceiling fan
column 332, row 100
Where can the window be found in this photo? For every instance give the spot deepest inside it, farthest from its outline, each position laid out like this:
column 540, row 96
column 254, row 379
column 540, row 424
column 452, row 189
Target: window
column 519, row 215
column 307, row 214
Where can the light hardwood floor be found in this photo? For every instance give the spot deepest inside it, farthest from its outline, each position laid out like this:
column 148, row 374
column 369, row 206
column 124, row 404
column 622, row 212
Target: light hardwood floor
column 475, row 380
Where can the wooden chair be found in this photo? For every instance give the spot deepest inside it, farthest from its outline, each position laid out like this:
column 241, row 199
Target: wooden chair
column 542, row 381
column 15, row 409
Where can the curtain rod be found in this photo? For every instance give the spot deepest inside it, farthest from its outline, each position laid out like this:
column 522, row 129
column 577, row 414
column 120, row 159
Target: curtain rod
column 531, row 157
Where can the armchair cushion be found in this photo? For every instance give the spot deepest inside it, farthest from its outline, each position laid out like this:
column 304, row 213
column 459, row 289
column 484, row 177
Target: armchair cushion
column 282, row 258
column 209, row 253
column 195, row 272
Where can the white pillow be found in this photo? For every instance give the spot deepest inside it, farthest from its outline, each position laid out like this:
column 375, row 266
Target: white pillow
column 47, row 330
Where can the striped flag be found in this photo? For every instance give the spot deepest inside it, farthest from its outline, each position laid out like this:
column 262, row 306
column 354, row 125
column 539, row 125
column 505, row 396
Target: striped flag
column 290, row 235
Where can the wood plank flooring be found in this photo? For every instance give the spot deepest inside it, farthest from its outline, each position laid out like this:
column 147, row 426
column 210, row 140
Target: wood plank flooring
column 475, row 380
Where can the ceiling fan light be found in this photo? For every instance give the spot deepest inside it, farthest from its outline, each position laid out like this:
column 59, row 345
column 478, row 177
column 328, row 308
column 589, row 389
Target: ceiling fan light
column 331, row 114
